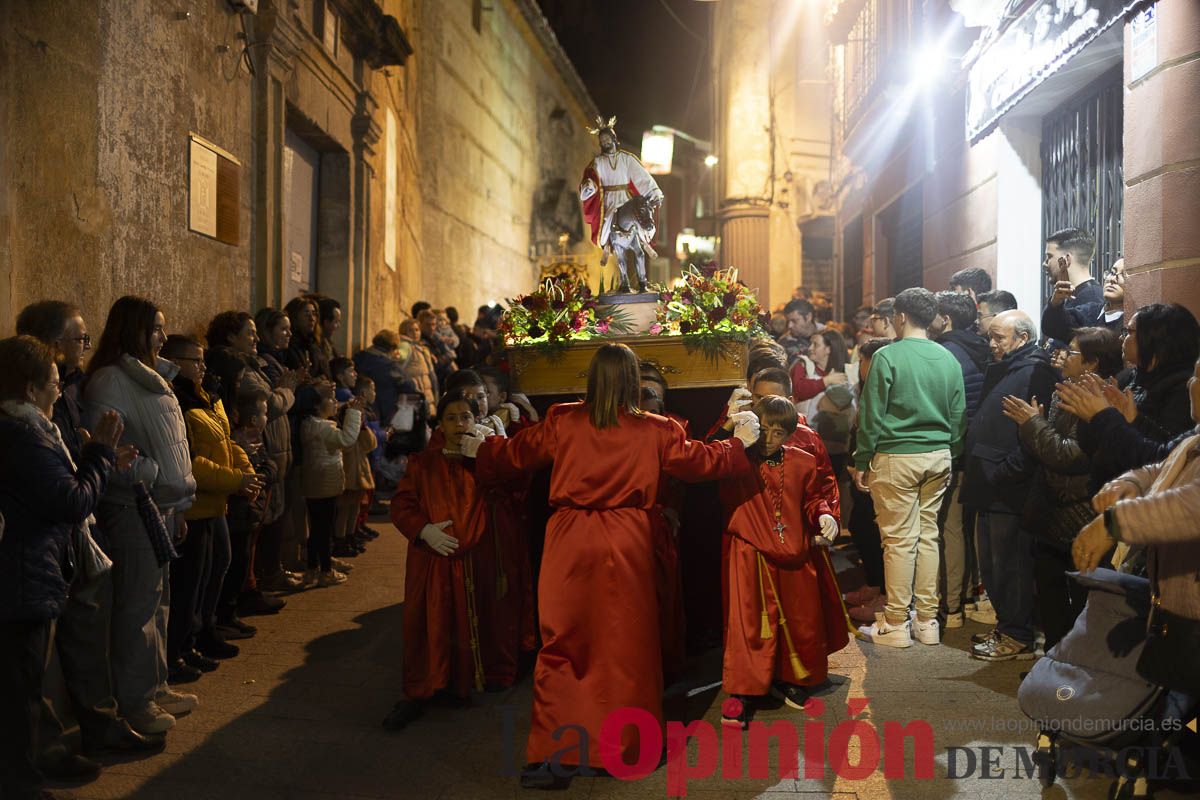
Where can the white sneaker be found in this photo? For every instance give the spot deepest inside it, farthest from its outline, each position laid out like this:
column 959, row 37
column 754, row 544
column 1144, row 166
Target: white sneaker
column 151, row 719
column 331, row 578
column 312, row 579
column 981, row 611
column 883, row 632
column 954, row 619
column 176, row 703
column 927, row 631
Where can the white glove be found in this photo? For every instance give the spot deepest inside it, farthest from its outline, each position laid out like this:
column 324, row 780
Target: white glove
column 829, row 530
column 434, row 535
column 514, row 413
column 739, row 401
column 473, row 439
column 745, row 427
column 494, row 426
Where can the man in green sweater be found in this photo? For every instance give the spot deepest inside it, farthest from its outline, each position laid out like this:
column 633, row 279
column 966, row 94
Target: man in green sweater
column 911, row 422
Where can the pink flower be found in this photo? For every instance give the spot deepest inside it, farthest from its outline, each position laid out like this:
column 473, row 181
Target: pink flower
column 655, row 329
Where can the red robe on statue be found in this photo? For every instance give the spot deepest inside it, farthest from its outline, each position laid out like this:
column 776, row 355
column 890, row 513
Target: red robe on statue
column 446, row 598
column 597, row 602
column 783, row 613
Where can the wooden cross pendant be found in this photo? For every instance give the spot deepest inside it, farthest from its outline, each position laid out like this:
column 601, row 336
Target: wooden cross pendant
column 779, row 529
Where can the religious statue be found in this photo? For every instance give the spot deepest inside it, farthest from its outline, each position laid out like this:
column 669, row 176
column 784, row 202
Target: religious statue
column 620, row 199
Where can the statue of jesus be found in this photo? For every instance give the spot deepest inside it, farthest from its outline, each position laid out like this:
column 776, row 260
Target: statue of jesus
column 611, row 179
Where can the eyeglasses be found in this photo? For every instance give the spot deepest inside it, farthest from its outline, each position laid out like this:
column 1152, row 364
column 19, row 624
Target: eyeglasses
column 84, row 340
column 1113, row 275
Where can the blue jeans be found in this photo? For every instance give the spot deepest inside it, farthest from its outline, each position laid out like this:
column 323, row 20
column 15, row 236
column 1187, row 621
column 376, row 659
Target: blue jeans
column 1006, row 558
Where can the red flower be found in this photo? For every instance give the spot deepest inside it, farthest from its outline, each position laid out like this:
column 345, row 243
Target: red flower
column 535, row 331
column 715, row 315
column 527, row 302
column 730, row 297
column 560, row 329
column 685, row 326
column 539, row 303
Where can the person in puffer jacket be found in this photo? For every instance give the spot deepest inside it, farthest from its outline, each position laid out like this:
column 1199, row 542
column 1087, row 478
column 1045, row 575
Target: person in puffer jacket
column 318, row 449
column 221, row 469
column 44, row 496
column 125, row 375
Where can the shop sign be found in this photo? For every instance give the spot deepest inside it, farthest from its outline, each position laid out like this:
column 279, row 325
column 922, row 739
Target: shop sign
column 1143, row 43
column 1044, row 38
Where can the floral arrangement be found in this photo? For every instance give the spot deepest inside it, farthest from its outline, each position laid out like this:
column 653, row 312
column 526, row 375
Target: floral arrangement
column 708, row 302
column 562, row 309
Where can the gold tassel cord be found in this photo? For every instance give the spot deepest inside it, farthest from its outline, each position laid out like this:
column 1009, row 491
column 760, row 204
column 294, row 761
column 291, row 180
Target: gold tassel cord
column 850, row 626
column 473, row 621
column 765, row 631
column 793, row 656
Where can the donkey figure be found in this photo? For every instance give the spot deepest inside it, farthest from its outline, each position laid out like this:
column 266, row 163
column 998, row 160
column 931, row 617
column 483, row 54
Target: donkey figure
column 630, row 236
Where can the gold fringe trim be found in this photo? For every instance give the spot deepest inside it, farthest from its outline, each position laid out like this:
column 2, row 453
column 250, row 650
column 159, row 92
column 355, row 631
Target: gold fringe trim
column 793, row 656
column 473, row 620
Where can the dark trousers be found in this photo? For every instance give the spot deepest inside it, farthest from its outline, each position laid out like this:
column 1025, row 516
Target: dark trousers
column 1006, row 558
column 865, row 534
column 241, row 546
column 190, row 575
column 1059, row 599
column 267, row 553
column 211, row 598
column 322, row 515
column 24, row 650
column 81, row 680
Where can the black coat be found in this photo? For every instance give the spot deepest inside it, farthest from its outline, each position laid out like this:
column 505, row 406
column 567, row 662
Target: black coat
column 1164, row 413
column 1075, row 312
column 971, row 351
column 998, row 470
column 68, row 413
column 42, row 500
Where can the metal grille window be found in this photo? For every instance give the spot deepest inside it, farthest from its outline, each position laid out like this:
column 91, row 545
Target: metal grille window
column 1082, row 185
column 860, row 61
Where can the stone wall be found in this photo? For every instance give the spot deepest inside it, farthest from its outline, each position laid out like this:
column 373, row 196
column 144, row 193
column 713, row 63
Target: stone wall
column 499, row 126
column 98, row 101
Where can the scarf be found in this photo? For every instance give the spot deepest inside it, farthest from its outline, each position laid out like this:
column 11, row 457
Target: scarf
column 92, row 558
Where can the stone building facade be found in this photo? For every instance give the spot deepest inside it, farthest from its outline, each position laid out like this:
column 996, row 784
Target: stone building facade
column 378, row 151
column 967, row 130
column 772, row 138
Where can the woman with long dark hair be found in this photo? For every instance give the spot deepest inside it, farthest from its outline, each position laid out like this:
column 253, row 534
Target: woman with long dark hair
column 596, row 593
column 127, row 376
column 1162, row 342
column 238, row 334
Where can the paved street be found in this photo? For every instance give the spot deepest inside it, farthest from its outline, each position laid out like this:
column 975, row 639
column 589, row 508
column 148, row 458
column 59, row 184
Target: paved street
column 297, row 716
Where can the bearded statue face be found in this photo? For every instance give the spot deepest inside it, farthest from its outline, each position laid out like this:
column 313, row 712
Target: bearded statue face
column 608, row 143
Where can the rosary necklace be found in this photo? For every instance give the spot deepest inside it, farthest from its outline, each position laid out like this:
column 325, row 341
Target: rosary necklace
column 779, row 526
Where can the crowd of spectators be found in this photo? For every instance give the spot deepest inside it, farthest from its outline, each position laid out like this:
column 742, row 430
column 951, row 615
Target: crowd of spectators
column 156, row 495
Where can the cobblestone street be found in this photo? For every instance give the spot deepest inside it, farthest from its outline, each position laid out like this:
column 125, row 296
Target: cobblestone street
column 297, row 716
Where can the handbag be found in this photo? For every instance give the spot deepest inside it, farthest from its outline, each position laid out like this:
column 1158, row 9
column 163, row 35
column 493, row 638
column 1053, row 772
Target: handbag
column 1172, row 648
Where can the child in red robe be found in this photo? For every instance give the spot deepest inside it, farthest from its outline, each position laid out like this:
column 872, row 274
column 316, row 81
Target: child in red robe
column 440, row 510
column 784, row 614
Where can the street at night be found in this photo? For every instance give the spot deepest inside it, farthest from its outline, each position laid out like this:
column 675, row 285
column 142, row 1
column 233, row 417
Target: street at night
column 444, row 399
